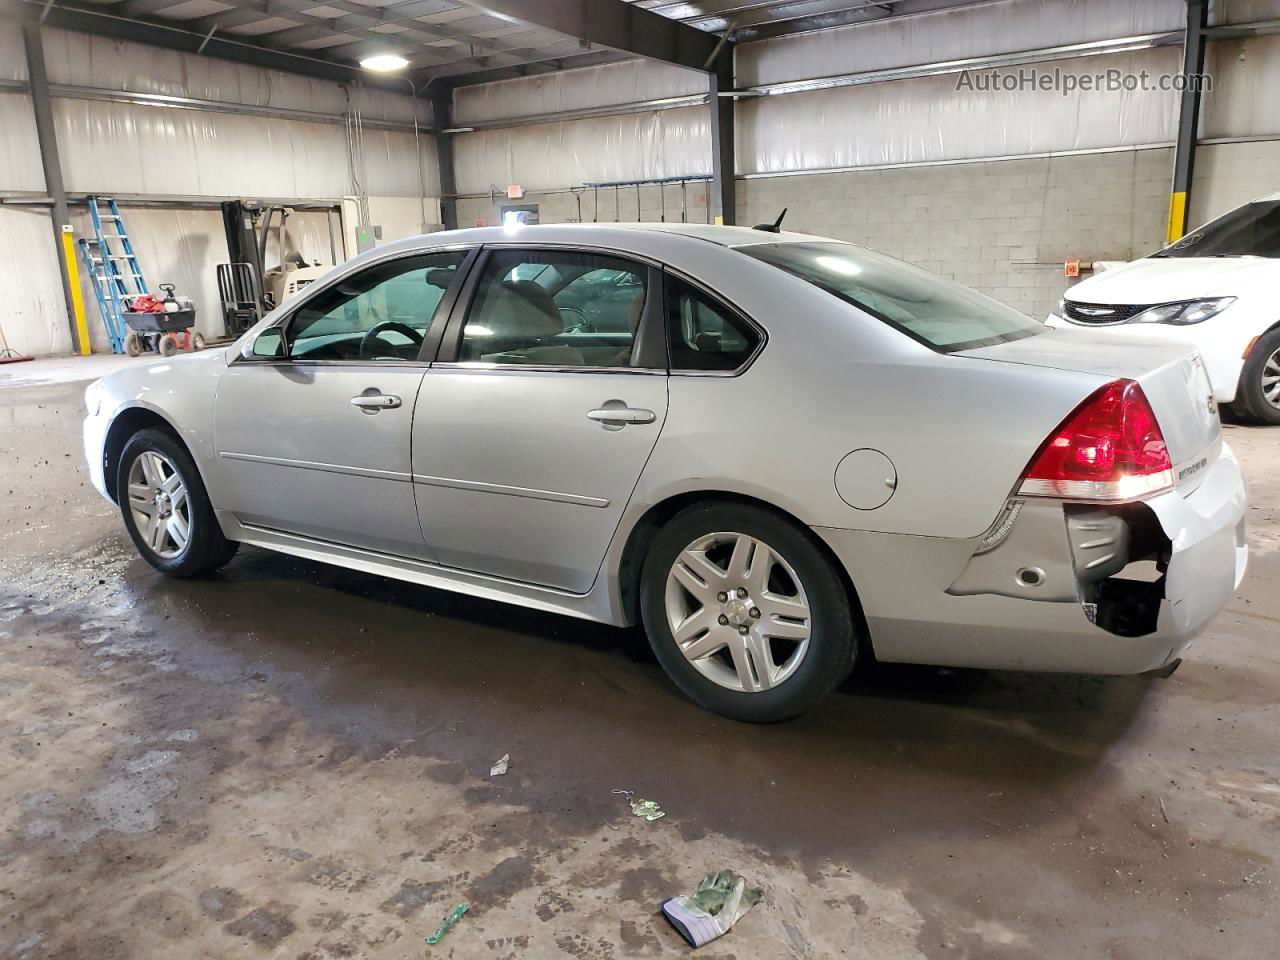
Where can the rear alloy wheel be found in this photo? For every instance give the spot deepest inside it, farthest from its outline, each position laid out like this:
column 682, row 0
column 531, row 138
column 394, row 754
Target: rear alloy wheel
column 750, row 637
column 166, row 509
column 1259, row 394
column 746, row 613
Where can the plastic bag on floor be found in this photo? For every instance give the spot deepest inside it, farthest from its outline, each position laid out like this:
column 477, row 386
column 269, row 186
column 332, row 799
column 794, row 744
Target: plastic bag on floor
column 721, row 900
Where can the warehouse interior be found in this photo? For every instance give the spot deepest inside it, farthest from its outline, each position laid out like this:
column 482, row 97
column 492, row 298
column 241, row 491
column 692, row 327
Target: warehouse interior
column 851, row 119
column 295, row 762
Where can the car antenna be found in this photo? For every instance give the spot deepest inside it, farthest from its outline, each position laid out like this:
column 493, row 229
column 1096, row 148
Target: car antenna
column 775, row 227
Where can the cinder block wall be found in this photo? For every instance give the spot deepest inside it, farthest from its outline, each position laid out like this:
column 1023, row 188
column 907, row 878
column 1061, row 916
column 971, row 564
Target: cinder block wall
column 1229, row 174
column 1004, row 227
column 655, row 203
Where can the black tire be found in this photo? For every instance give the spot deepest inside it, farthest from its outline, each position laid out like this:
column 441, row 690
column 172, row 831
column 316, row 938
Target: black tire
column 1250, row 401
column 832, row 641
column 168, row 345
column 133, row 344
column 206, row 548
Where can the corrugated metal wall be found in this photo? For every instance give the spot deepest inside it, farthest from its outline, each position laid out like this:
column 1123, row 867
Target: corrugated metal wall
column 983, row 30
column 152, row 151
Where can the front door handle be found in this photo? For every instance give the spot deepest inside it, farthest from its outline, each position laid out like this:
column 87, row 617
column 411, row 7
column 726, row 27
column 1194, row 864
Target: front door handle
column 621, row 415
column 373, row 402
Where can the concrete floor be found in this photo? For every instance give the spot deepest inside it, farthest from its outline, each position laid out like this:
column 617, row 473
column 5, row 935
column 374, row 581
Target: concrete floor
column 289, row 760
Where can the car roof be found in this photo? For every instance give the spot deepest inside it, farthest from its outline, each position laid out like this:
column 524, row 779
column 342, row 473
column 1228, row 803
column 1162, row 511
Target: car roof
column 561, row 232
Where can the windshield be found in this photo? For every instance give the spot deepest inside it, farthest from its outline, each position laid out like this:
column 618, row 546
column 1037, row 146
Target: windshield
column 1249, row 231
column 939, row 313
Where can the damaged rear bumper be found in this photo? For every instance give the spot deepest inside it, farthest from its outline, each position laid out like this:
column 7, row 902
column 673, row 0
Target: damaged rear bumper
column 1057, row 586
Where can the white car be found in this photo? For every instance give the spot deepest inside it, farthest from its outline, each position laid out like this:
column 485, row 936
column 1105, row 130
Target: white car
column 1215, row 289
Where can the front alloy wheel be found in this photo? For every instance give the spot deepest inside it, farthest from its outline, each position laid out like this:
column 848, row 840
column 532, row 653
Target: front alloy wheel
column 166, row 508
column 1258, row 397
column 160, row 505
column 1271, row 379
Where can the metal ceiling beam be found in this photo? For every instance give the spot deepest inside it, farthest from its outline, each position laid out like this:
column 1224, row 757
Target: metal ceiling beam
column 87, row 20
column 474, row 76
column 311, row 27
column 744, row 10
column 360, row 35
column 358, row 16
column 357, row 28
column 466, row 71
column 853, row 15
column 610, row 23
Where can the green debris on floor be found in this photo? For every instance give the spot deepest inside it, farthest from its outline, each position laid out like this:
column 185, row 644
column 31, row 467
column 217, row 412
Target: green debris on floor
column 448, row 923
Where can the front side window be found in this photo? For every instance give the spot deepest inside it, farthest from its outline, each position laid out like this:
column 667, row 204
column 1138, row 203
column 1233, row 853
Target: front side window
column 703, row 334
column 380, row 313
column 939, row 313
column 555, row 308
column 1249, row 231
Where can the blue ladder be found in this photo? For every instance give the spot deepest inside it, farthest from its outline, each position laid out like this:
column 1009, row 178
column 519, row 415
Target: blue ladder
column 113, row 271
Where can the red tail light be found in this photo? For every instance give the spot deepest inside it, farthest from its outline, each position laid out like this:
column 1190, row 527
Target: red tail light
column 1110, row 448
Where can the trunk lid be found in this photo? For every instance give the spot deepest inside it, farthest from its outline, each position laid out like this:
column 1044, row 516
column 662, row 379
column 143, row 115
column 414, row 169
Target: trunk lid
column 1172, row 375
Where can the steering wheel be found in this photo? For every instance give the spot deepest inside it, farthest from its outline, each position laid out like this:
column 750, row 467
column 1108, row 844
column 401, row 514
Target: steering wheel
column 578, row 324
column 374, row 336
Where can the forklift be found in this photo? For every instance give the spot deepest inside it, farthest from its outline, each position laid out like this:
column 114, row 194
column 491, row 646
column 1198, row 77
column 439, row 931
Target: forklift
column 247, row 289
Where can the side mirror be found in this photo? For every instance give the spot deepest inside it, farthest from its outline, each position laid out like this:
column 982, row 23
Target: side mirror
column 267, row 345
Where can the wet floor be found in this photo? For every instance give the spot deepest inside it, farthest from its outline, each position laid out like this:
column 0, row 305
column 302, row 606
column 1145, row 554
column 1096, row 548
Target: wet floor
column 291, row 760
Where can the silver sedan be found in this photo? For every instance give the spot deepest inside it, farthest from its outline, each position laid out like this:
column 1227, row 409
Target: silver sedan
column 779, row 453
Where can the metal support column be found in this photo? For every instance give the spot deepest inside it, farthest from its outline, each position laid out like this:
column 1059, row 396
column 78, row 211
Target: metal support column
column 722, row 138
column 1184, row 155
column 442, row 120
column 46, row 134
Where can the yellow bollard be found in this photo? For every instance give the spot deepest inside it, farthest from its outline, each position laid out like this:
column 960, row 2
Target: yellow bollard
column 1177, row 215
column 73, row 281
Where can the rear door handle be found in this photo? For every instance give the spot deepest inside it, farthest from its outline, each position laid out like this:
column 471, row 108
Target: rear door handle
column 621, row 415
column 375, row 402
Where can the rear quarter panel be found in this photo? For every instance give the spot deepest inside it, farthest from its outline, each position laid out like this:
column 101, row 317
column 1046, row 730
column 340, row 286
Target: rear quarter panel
column 831, row 380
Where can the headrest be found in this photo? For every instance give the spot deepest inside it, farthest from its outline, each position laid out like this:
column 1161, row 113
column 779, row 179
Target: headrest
column 520, row 308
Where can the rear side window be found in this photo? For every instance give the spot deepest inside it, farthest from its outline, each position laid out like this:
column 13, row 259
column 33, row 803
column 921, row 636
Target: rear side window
column 562, row 308
column 939, row 313
column 704, row 334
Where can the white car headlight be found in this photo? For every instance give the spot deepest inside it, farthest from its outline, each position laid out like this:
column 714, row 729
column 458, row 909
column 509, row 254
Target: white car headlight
column 93, row 397
column 1186, row 312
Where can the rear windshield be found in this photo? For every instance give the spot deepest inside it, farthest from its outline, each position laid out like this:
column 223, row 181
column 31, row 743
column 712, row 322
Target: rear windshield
column 939, row 313
column 1249, row 231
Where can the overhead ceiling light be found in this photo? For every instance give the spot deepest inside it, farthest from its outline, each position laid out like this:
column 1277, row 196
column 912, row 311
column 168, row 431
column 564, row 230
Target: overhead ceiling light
column 384, row 63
